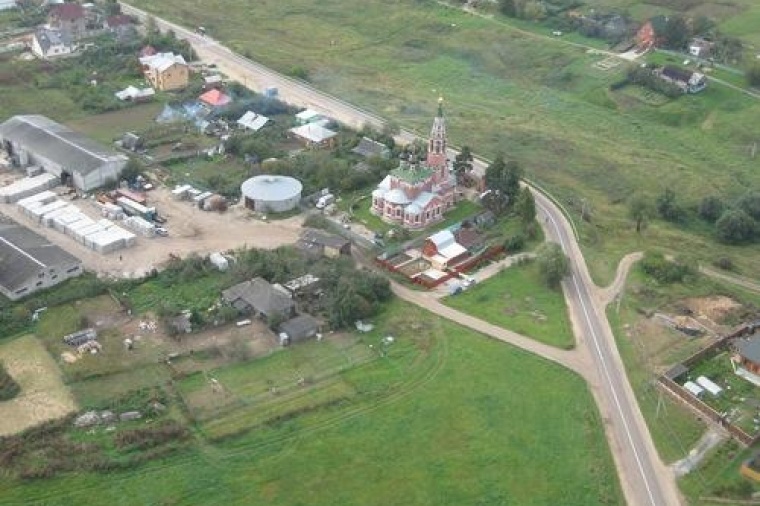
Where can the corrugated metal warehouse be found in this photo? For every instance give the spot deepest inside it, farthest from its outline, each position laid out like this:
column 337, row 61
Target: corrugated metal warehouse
column 29, row 262
column 271, row 194
column 37, row 140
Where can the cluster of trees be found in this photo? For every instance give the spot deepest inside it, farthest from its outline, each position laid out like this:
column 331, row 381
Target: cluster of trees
column 736, row 222
column 321, row 169
column 646, row 77
column 536, row 10
column 665, row 271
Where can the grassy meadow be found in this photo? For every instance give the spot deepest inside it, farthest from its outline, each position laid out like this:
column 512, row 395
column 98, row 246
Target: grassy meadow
column 442, row 416
column 516, row 299
column 540, row 101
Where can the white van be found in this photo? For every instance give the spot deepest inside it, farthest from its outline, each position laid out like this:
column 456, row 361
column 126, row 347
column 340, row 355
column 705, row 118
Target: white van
column 325, row 200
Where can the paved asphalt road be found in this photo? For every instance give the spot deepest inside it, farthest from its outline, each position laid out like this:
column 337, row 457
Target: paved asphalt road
column 645, row 480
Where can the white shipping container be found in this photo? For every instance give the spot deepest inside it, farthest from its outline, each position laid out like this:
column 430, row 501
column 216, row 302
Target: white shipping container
column 44, row 210
column 141, row 226
column 48, row 217
column 44, row 197
column 27, row 187
column 708, row 385
column 694, row 389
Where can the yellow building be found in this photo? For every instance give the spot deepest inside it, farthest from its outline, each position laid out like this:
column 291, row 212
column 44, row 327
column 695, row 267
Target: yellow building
column 166, row 71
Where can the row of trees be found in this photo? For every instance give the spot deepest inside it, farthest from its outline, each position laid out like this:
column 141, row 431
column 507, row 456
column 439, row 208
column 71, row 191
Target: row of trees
column 735, row 222
column 646, row 77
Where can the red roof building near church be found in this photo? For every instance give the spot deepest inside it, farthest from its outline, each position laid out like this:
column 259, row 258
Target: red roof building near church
column 215, row 98
column 67, row 11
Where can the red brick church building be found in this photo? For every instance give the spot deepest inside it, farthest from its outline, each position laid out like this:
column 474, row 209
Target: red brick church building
column 417, row 194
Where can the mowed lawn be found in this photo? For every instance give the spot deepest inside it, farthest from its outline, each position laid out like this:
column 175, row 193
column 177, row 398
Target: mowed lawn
column 517, row 299
column 539, row 101
column 487, row 425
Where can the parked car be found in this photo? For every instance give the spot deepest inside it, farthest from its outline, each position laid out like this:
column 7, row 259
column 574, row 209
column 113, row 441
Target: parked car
column 161, row 231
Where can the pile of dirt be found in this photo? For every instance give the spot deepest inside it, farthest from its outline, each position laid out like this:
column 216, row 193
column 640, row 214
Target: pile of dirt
column 717, row 308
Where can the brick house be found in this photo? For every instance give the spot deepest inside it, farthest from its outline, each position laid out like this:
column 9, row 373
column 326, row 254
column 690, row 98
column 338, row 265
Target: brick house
column 69, row 18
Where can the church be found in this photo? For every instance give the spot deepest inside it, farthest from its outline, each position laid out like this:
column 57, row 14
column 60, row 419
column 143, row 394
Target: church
column 417, row 194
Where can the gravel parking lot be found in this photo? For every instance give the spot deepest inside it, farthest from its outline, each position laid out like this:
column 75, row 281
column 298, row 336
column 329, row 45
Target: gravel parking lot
column 191, row 230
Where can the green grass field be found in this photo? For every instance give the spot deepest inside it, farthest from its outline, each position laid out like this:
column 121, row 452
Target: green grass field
column 539, row 101
column 462, row 426
column 516, row 299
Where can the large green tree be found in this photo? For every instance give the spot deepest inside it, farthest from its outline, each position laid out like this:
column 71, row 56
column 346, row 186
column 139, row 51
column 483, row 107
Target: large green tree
column 639, row 210
column 677, row 32
column 526, row 206
column 735, row 227
column 503, row 182
column 553, row 265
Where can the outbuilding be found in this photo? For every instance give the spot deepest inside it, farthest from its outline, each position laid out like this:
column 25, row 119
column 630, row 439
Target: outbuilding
column 271, row 194
column 300, row 328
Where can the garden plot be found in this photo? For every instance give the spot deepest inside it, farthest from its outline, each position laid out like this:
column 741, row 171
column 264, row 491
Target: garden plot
column 43, row 395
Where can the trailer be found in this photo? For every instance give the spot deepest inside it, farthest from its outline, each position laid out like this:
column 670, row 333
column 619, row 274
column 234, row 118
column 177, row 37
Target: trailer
column 133, row 208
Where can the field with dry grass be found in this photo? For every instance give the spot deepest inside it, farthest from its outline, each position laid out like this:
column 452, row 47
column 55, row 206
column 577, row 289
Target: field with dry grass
column 43, row 395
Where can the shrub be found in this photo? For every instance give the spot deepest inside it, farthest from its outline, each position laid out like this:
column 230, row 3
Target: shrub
column 724, row 263
column 515, row 243
column 663, row 270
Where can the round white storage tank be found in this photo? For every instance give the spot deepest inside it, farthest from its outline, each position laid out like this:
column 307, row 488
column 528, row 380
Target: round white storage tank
column 271, row 194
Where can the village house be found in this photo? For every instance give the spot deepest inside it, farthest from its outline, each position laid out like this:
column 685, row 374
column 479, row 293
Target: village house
column 120, row 25
column 443, row 251
column 746, row 359
column 215, row 98
column 417, row 194
column 69, row 18
column 368, row 148
column 652, row 33
column 700, row 47
column 686, row 80
column 48, row 44
column 259, row 298
column 165, row 71
column 314, row 135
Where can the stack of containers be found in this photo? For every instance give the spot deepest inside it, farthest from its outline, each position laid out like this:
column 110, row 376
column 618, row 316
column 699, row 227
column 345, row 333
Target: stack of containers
column 27, row 187
column 46, row 216
column 143, row 227
column 111, row 211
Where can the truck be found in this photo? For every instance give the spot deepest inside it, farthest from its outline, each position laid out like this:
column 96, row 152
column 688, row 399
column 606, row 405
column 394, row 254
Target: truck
column 132, row 208
column 325, row 200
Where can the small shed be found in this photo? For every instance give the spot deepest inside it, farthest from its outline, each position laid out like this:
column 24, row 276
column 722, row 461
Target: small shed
column 694, row 389
column 324, row 244
column 297, row 329
column 252, row 121
column 368, row 148
column 314, row 135
column 308, row 116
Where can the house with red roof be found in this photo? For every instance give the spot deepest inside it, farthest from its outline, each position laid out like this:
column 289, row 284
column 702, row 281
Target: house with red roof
column 68, row 18
column 215, row 98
